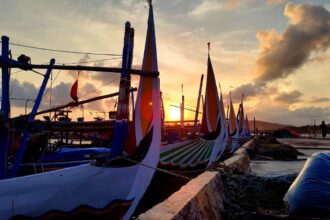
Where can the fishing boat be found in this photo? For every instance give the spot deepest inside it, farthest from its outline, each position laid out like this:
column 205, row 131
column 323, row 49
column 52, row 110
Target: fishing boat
column 226, row 136
column 58, row 143
column 199, row 152
column 233, row 131
column 55, row 145
column 241, row 120
column 109, row 189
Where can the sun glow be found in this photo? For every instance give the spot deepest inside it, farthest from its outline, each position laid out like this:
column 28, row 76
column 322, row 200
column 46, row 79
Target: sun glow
column 174, row 113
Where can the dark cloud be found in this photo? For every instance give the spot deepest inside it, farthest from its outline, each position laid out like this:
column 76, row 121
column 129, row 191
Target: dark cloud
column 89, row 91
column 60, row 95
column 252, row 90
column 24, row 90
column 249, row 90
column 105, row 78
column 319, row 99
column 289, row 97
column 282, row 54
column 312, row 112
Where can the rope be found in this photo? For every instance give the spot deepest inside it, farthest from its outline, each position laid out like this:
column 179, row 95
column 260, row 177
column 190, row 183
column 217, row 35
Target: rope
column 65, row 51
column 95, row 90
column 92, row 61
column 51, row 84
column 158, row 169
column 12, row 87
column 38, row 73
column 19, row 99
column 17, row 72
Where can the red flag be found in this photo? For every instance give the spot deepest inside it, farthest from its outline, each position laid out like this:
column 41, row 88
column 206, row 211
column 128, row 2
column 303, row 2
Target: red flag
column 74, row 91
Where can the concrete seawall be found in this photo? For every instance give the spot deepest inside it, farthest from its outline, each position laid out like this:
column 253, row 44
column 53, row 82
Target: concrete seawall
column 202, row 197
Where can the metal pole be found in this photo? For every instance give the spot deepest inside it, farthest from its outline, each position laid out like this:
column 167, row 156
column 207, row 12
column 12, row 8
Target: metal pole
column 5, row 109
column 198, row 102
column 254, row 126
column 162, row 116
column 133, row 107
column 26, row 133
column 182, row 108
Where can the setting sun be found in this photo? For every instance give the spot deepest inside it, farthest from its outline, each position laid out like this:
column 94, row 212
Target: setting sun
column 174, row 114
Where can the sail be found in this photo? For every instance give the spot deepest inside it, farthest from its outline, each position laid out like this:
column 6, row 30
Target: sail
column 232, row 128
column 148, row 87
column 212, row 105
column 144, row 103
column 232, row 122
column 200, row 152
column 223, row 118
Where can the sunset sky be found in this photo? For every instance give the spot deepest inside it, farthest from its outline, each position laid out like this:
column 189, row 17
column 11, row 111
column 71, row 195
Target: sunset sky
column 274, row 51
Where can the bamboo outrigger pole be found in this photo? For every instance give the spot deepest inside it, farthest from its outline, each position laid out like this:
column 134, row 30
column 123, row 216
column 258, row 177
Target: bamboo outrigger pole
column 72, row 104
column 16, row 64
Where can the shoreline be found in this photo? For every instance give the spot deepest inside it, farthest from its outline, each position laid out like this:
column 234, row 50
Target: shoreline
column 230, row 190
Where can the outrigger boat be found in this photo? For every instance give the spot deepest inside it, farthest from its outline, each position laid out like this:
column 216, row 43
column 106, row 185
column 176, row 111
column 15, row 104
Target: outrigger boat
column 49, row 156
column 244, row 133
column 226, row 138
column 201, row 151
column 233, row 131
column 109, row 189
column 241, row 120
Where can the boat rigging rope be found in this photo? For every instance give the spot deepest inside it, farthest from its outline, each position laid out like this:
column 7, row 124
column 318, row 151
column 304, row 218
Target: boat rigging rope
column 17, row 72
column 38, row 73
column 91, row 61
column 51, row 84
column 12, row 87
column 156, row 168
column 97, row 89
column 64, row 51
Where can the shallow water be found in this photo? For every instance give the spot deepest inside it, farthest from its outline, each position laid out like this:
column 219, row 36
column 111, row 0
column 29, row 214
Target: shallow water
column 277, row 168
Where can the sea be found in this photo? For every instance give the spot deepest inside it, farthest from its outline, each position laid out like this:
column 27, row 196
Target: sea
column 307, row 146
